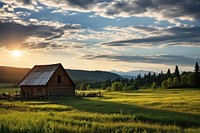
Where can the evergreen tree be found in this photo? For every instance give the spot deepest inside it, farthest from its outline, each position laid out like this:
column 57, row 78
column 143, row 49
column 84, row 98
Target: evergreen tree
column 168, row 74
column 139, row 76
column 196, row 67
column 176, row 73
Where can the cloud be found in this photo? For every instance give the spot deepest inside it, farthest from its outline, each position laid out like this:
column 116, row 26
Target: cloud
column 36, row 35
column 160, row 9
column 151, row 59
column 185, row 36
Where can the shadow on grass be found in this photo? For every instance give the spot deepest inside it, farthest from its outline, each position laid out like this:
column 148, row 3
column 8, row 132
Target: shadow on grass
column 141, row 113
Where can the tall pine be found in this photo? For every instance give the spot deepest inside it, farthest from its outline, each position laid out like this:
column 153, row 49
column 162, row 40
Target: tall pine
column 176, row 73
column 196, row 67
column 168, row 74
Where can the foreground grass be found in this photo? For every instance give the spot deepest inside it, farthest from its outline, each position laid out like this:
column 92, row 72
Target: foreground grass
column 176, row 110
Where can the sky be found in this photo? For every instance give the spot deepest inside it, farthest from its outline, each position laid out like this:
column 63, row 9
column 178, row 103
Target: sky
column 106, row 35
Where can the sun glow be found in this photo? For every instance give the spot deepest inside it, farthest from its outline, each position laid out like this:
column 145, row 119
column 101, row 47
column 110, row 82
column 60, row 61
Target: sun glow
column 17, row 53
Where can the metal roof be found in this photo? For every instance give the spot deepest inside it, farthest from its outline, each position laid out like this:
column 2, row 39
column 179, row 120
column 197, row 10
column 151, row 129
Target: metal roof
column 39, row 75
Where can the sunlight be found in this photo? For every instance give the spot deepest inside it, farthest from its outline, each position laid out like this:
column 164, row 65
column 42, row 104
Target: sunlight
column 17, row 53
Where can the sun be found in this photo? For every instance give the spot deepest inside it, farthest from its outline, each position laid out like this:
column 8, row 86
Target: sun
column 16, row 53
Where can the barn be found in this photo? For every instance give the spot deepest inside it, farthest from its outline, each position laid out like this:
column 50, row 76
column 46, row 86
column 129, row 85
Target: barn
column 47, row 80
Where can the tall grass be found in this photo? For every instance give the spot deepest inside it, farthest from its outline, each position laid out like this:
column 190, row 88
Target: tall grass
column 135, row 111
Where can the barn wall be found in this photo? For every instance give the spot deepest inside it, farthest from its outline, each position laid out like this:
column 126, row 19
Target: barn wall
column 33, row 91
column 65, row 88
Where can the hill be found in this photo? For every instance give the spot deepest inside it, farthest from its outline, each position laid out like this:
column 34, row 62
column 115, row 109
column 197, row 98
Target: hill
column 14, row 75
column 83, row 75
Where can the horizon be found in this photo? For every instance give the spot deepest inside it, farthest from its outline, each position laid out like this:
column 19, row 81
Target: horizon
column 101, row 35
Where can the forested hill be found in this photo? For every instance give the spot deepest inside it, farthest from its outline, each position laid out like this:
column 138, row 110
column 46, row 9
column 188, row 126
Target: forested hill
column 14, row 75
column 82, row 75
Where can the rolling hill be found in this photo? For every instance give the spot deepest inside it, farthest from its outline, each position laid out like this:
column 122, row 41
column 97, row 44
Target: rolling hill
column 14, row 75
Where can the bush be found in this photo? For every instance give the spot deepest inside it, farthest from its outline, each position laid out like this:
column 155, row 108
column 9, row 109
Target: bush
column 108, row 88
column 169, row 83
column 176, row 82
column 184, row 80
column 135, row 86
column 88, row 87
column 117, row 86
column 103, row 86
column 164, row 84
column 191, row 79
column 154, row 85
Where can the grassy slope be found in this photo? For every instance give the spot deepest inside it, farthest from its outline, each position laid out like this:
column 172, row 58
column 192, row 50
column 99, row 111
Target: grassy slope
column 176, row 110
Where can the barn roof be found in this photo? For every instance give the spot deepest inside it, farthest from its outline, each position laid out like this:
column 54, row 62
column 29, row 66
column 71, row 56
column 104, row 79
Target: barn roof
column 39, row 75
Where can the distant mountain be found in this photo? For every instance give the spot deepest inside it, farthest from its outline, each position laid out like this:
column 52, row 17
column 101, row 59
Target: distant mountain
column 14, row 75
column 128, row 76
column 132, row 74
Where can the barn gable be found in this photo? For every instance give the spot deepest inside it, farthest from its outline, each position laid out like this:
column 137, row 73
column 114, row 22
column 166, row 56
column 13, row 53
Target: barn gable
column 47, row 80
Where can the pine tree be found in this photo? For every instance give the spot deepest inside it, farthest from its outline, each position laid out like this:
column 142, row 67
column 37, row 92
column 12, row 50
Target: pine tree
column 196, row 67
column 168, row 74
column 176, row 73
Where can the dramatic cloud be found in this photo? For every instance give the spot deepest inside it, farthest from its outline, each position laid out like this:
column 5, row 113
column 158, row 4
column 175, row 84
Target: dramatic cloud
column 38, row 35
column 152, row 59
column 172, row 36
column 160, row 9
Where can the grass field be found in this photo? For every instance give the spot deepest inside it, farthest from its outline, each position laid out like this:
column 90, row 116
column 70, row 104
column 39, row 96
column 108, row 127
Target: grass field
column 175, row 110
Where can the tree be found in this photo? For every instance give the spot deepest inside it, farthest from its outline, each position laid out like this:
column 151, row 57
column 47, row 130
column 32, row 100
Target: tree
column 169, row 83
column 88, row 87
column 103, row 86
column 168, row 74
column 191, row 79
column 139, row 76
column 154, row 85
column 184, row 80
column 176, row 82
column 164, row 84
column 135, row 85
column 176, row 73
column 196, row 67
column 117, row 86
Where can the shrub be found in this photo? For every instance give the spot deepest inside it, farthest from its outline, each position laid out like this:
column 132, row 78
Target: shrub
column 103, row 86
column 169, row 83
column 88, row 87
column 176, row 82
column 135, row 86
column 154, row 85
column 164, row 84
column 108, row 88
column 191, row 79
column 117, row 86
column 184, row 80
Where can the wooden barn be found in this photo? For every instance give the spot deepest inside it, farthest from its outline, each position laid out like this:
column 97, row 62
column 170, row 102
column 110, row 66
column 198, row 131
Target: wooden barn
column 47, row 80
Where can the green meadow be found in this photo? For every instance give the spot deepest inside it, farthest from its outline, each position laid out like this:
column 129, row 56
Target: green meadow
column 162, row 110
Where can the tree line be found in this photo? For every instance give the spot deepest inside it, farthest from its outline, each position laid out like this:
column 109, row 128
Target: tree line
column 150, row 80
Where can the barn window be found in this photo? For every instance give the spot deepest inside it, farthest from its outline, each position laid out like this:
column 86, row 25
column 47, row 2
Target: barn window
column 58, row 79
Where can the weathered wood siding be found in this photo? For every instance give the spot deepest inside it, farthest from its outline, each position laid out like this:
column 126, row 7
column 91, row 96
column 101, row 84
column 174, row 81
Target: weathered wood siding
column 33, row 91
column 63, row 88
